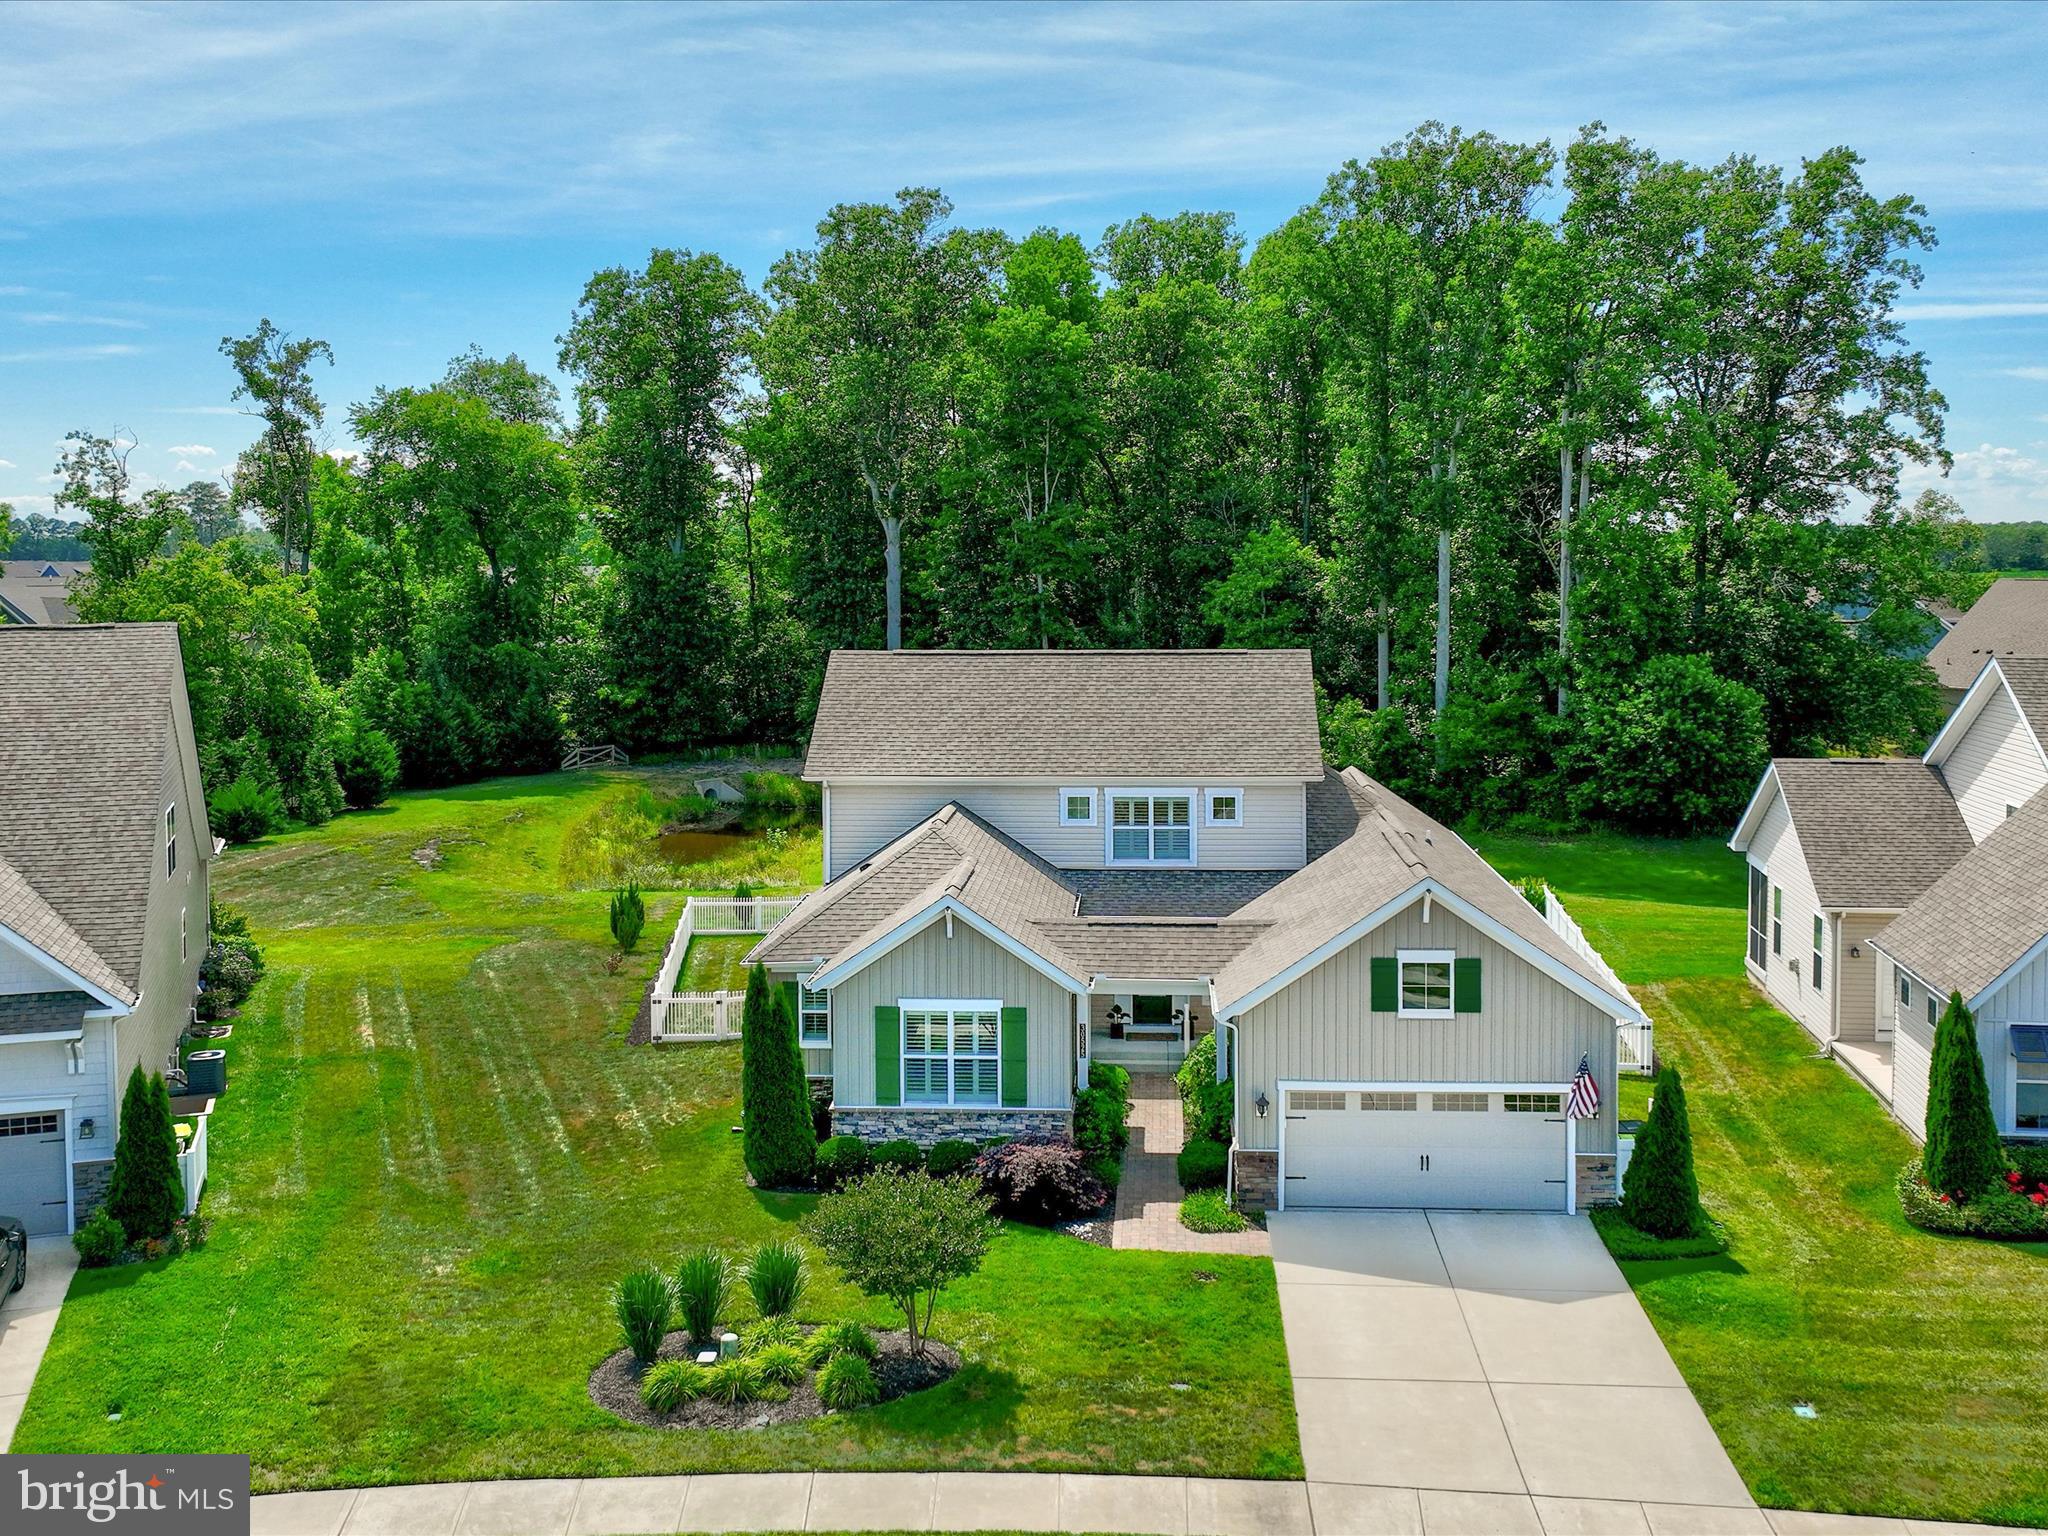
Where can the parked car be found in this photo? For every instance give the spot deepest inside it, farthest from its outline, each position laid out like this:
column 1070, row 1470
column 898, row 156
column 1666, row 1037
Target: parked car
column 13, row 1254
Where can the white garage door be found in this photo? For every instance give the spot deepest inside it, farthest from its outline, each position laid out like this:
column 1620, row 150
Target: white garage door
column 32, row 1184
column 1462, row 1150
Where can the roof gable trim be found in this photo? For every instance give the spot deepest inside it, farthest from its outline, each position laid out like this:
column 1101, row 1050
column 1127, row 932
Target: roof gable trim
column 56, row 967
column 922, row 919
column 1990, row 679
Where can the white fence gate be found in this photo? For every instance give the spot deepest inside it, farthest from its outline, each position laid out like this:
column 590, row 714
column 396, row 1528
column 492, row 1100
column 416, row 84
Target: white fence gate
column 1634, row 1048
column 674, row 1015
column 192, row 1164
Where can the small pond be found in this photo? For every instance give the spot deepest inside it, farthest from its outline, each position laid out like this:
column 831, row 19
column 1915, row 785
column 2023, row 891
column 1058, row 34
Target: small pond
column 699, row 845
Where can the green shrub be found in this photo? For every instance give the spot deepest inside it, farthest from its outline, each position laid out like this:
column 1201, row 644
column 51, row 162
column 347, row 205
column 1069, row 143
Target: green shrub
column 99, row 1241
column 1996, row 1211
column 1208, row 1210
column 628, row 916
column 703, row 1285
column 146, row 1193
column 245, row 810
column 775, row 1096
column 769, row 1332
column 899, row 1156
column 847, row 1381
column 671, row 1384
column 1625, row 1242
column 845, row 1337
column 842, row 1159
column 1962, row 1155
column 733, row 1381
column 365, row 761
column 903, row 1238
column 228, row 974
column 1042, row 1180
column 2031, row 1159
column 1660, row 1193
column 643, row 1302
column 780, row 1365
column 1675, row 749
column 776, row 1277
column 947, row 1158
column 1102, row 1113
column 1202, row 1165
column 1205, row 1104
column 1534, row 892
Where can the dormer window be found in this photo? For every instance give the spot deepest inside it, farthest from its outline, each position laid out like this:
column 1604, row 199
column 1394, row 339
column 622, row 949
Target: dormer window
column 1225, row 808
column 1151, row 826
column 170, row 841
column 1077, row 807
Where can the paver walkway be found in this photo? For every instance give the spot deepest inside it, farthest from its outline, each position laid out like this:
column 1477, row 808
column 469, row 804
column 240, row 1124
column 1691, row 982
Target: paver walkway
column 27, row 1319
column 1149, row 1194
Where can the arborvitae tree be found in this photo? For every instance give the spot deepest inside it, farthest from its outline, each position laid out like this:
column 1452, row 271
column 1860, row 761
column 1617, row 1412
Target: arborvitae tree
column 1962, row 1158
column 629, row 916
column 775, row 1098
column 145, row 1192
column 1660, row 1194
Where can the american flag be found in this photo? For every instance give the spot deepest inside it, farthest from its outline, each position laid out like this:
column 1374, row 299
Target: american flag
column 1584, row 1103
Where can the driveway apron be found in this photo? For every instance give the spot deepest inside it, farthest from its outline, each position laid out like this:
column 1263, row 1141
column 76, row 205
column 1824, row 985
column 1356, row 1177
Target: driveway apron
column 27, row 1319
column 1491, row 1361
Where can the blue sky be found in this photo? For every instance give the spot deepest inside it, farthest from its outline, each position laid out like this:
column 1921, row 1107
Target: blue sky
column 406, row 180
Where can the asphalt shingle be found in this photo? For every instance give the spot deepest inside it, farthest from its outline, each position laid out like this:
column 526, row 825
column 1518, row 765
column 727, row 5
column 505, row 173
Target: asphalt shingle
column 2010, row 619
column 1876, row 831
column 1969, row 927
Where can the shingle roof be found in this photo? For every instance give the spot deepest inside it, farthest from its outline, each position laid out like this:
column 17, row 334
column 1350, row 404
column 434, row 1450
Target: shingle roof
column 1876, row 831
column 27, row 914
column 2027, row 677
column 35, row 598
column 1985, row 913
column 38, row 1013
column 2010, row 619
column 85, row 716
column 1168, row 892
column 1140, row 717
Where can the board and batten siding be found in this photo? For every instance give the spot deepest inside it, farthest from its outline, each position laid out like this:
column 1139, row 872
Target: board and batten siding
column 1912, row 1054
column 2022, row 1000
column 966, row 967
column 1321, row 1028
column 1787, row 978
column 1996, row 764
column 865, row 818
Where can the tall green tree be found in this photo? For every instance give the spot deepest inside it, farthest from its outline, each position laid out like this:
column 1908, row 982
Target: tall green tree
column 1962, row 1158
column 123, row 529
column 274, row 373
column 780, row 1146
column 145, row 1193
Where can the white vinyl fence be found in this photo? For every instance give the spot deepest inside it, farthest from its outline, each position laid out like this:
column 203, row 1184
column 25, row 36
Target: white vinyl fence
column 192, row 1163
column 1634, row 1049
column 675, row 1015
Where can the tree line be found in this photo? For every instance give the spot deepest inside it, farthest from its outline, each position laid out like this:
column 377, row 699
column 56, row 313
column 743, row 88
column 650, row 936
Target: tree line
column 1566, row 465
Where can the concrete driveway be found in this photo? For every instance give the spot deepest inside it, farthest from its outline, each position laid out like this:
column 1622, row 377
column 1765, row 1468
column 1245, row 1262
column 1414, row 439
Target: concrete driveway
column 1465, row 1371
column 27, row 1319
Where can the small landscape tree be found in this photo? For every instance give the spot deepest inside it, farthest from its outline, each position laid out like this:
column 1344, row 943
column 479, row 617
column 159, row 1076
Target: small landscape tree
column 1660, row 1194
column 629, row 916
column 780, row 1145
column 1962, row 1158
column 905, row 1237
column 143, row 1194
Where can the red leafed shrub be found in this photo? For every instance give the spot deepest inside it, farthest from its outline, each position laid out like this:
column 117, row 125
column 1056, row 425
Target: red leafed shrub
column 1040, row 1180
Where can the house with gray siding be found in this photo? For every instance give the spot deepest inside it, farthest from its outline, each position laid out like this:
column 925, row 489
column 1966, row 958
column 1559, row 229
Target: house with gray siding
column 1842, row 851
column 1037, row 860
column 104, row 856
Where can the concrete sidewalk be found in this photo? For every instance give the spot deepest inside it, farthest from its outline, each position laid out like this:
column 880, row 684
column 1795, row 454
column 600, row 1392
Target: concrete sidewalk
column 27, row 1320
column 1007, row 1501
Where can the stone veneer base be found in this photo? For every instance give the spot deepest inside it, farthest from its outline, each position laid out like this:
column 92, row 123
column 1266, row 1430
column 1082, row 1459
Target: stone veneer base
column 929, row 1123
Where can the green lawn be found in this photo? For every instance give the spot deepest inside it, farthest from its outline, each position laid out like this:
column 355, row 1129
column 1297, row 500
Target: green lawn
column 437, row 1152
column 716, row 963
column 1926, row 1357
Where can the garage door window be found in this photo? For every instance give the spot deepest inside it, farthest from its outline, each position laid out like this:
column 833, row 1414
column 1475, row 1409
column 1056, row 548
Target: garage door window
column 28, row 1125
column 1458, row 1103
column 1532, row 1103
column 1400, row 1103
column 1305, row 1099
column 1425, row 982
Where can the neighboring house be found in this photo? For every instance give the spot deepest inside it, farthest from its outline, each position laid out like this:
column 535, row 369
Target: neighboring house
column 38, row 591
column 1843, row 851
column 1037, row 860
column 2010, row 619
column 104, row 854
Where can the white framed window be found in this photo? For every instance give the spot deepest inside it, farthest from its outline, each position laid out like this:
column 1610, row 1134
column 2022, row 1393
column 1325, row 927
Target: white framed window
column 1425, row 982
column 814, row 1016
column 1223, row 808
column 1077, row 807
column 170, row 840
column 184, row 941
column 1819, row 937
column 2030, row 1098
column 1532, row 1103
column 1777, row 920
column 952, row 1051
column 1151, row 826
column 1307, row 1099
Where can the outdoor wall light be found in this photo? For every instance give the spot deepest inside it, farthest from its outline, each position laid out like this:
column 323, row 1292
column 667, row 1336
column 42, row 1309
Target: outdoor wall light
column 1855, row 953
column 85, row 1129
column 1261, row 1104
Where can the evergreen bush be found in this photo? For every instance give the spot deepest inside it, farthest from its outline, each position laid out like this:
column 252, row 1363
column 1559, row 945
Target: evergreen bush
column 1660, row 1194
column 629, row 916
column 901, row 1156
column 1205, row 1104
column 1202, row 1165
column 245, row 810
column 775, row 1096
column 145, row 1193
column 840, row 1159
column 99, row 1240
column 365, row 761
column 1962, row 1159
column 947, row 1158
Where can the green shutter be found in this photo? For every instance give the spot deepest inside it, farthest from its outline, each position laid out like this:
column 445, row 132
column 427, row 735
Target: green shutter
column 789, row 1002
column 1465, row 984
column 1015, row 1065
column 888, row 1055
column 1386, row 984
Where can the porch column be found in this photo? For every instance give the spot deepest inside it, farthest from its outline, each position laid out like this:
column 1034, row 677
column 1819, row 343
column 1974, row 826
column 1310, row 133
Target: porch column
column 1186, row 1008
column 1080, row 1041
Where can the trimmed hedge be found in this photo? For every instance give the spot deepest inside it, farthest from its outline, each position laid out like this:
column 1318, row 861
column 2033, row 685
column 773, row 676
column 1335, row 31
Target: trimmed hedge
column 842, row 1159
column 947, row 1158
column 2002, row 1212
column 902, row 1155
column 1202, row 1165
column 1205, row 1104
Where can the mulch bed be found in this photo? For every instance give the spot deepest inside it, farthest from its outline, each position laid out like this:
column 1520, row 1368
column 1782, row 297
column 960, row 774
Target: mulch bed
column 615, row 1387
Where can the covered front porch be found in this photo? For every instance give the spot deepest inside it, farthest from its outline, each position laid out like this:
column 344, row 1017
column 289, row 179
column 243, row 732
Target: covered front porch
column 1147, row 1026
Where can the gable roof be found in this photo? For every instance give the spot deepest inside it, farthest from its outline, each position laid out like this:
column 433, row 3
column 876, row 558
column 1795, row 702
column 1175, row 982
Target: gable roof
column 27, row 915
column 2023, row 679
column 1876, row 831
column 86, row 717
column 1142, row 718
column 38, row 591
column 1974, row 925
column 2010, row 619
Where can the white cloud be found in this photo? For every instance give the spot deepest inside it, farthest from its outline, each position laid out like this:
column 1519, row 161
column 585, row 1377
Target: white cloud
column 192, row 451
column 59, row 317
column 2036, row 375
column 186, row 466
column 1985, row 309
column 1994, row 484
column 27, row 504
column 6, row 463
column 70, row 354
